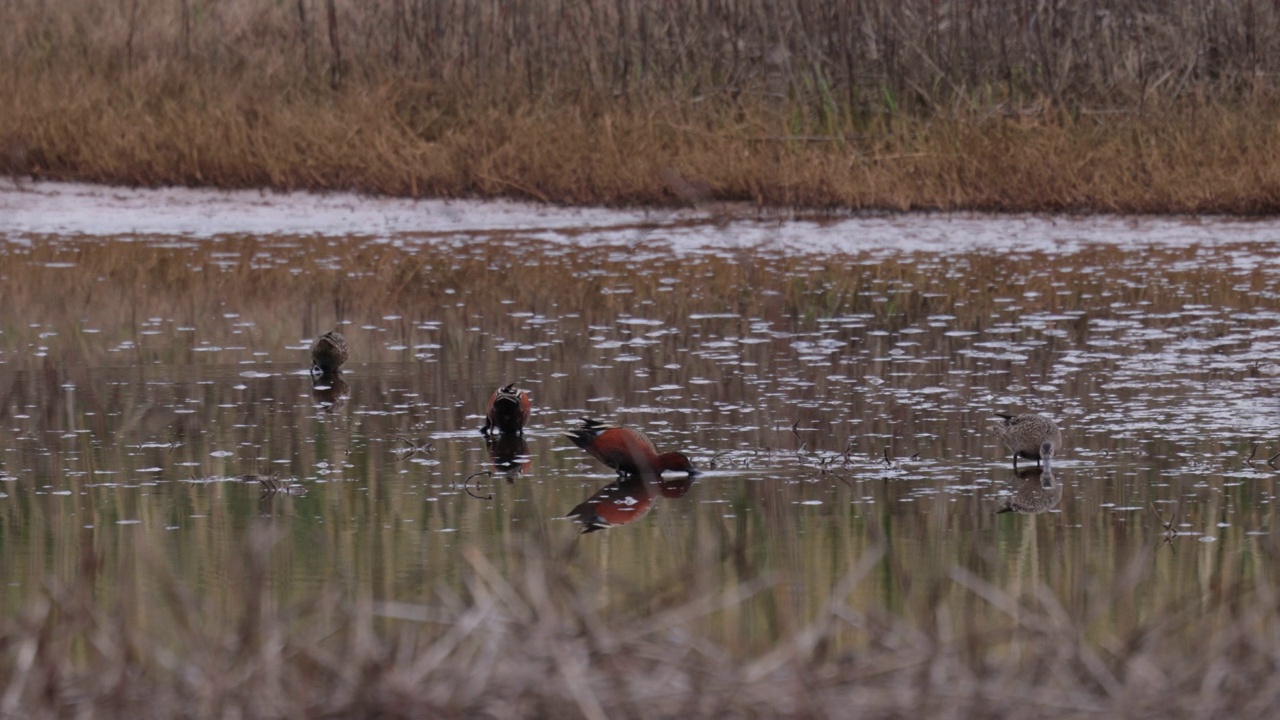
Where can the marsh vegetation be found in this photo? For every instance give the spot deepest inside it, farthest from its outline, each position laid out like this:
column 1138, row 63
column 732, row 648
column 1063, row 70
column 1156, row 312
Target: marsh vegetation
column 1015, row 105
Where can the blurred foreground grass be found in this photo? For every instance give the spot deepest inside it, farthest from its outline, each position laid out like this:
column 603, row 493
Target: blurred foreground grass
column 541, row 642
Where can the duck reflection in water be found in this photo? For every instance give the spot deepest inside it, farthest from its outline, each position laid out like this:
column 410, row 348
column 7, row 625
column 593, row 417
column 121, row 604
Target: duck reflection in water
column 626, row 500
column 1035, row 491
column 509, row 455
column 329, row 391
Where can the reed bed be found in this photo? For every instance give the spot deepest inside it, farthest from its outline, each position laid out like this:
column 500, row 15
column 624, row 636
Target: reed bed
column 1018, row 105
column 542, row 641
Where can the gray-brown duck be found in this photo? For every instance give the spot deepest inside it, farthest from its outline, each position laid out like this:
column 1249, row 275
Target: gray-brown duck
column 1030, row 436
column 328, row 353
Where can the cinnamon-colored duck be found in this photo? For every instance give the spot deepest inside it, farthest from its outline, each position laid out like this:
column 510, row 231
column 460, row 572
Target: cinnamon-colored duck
column 626, row 450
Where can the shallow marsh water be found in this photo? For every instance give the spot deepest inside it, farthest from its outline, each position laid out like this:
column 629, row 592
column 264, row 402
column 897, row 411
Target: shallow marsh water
column 836, row 380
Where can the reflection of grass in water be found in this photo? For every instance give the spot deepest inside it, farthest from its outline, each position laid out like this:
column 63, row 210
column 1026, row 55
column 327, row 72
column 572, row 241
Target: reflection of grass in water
column 267, row 294
column 542, row 636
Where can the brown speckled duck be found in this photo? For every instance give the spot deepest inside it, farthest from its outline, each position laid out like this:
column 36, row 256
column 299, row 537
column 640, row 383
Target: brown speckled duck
column 1030, row 436
column 328, row 353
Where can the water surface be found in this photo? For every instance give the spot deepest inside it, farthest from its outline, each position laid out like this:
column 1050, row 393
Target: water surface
column 835, row 380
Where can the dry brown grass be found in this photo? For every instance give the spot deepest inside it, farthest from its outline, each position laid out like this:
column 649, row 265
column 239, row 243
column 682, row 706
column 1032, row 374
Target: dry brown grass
column 1018, row 106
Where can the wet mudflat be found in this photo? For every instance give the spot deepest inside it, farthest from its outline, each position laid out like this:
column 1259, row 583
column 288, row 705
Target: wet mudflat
column 835, row 381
